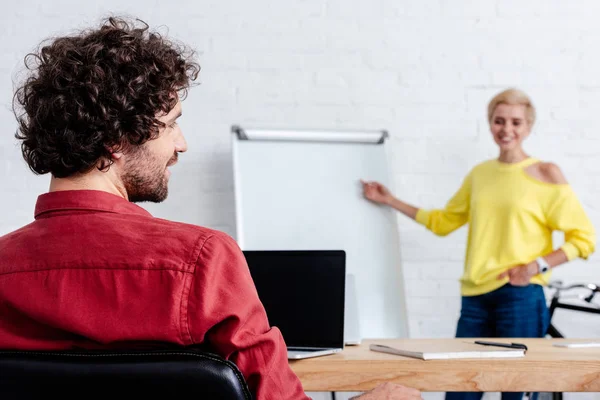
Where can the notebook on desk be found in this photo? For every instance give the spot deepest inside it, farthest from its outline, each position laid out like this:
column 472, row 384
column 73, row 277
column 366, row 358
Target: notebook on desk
column 576, row 345
column 446, row 350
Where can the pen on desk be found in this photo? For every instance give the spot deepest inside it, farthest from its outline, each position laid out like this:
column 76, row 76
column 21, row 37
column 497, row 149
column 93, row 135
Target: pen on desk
column 499, row 344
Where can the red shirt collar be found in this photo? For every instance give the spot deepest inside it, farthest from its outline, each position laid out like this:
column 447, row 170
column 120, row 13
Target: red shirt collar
column 86, row 200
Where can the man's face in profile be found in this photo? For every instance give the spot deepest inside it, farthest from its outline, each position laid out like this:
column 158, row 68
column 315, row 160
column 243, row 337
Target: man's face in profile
column 146, row 174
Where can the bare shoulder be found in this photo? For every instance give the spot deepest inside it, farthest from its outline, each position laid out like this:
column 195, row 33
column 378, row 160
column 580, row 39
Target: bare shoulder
column 552, row 173
column 547, row 172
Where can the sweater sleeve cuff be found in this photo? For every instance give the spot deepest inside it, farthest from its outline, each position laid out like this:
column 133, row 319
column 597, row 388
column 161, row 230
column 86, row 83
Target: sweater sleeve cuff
column 422, row 216
column 570, row 250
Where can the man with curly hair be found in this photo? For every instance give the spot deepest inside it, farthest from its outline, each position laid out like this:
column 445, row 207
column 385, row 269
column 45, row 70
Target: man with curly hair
column 99, row 112
column 94, row 270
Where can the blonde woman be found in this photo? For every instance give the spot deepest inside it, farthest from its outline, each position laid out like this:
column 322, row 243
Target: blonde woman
column 511, row 205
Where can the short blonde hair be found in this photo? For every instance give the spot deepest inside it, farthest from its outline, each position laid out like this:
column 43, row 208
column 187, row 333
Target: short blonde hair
column 513, row 97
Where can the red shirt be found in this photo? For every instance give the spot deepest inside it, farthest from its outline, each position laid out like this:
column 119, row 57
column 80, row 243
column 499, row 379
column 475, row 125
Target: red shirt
column 96, row 271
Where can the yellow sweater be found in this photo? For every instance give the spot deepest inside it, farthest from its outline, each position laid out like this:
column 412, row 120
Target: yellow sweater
column 511, row 217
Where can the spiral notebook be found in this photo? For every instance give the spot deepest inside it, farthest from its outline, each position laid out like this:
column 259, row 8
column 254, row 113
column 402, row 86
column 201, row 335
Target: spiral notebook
column 446, row 350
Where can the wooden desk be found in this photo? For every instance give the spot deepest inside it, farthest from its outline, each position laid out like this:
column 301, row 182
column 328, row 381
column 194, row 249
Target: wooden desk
column 545, row 368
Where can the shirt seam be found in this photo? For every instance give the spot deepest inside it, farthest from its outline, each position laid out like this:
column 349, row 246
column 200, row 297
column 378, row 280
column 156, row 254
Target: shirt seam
column 243, row 325
column 273, row 362
column 96, row 269
column 91, row 209
column 185, row 298
column 557, row 202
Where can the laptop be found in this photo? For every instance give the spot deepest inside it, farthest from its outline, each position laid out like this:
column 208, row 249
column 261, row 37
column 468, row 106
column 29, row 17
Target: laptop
column 303, row 292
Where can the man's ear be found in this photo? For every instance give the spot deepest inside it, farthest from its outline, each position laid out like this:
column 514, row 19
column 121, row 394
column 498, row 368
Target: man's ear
column 116, row 153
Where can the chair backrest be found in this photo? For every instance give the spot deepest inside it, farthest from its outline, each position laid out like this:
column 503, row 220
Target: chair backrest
column 111, row 374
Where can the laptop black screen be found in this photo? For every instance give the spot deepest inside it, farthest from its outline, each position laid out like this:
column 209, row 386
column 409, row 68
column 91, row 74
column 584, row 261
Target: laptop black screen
column 303, row 294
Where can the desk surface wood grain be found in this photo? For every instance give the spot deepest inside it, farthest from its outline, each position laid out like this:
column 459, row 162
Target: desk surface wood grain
column 544, row 368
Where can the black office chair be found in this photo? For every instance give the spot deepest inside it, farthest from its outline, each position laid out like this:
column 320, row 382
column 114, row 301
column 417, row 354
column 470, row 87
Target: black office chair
column 83, row 374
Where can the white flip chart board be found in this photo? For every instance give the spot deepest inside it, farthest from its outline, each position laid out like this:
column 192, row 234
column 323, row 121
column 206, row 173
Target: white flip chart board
column 300, row 190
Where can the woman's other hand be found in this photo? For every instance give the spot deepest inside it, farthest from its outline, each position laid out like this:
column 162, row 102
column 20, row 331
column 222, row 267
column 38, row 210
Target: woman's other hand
column 521, row 274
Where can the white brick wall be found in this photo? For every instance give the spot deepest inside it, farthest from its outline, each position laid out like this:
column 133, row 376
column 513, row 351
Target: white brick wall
column 423, row 69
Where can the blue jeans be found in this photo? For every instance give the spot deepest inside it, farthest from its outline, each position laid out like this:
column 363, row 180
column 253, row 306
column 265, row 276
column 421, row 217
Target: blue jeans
column 510, row 311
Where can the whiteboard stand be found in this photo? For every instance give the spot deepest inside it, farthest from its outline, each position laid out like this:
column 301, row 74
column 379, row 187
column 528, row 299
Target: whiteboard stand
column 300, row 190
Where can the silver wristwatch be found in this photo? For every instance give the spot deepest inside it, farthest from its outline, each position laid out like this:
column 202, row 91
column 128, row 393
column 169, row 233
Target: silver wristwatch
column 543, row 265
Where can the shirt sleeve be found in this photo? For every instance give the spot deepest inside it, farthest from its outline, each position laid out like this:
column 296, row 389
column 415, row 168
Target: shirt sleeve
column 565, row 213
column 225, row 314
column 454, row 215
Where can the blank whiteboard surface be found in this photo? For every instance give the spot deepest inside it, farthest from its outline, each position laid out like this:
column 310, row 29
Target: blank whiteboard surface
column 308, row 196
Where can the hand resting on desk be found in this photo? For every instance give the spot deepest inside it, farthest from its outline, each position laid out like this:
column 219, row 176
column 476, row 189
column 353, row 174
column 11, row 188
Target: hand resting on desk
column 390, row 391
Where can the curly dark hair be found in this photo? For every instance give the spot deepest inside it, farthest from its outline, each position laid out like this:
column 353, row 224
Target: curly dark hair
column 97, row 91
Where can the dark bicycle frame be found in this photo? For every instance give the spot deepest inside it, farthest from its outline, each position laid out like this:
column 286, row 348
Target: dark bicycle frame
column 555, row 304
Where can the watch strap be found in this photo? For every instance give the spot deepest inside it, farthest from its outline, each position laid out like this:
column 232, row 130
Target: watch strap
column 543, row 265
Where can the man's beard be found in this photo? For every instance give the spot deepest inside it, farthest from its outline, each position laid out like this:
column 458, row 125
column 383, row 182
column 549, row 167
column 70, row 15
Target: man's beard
column 145, row 180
